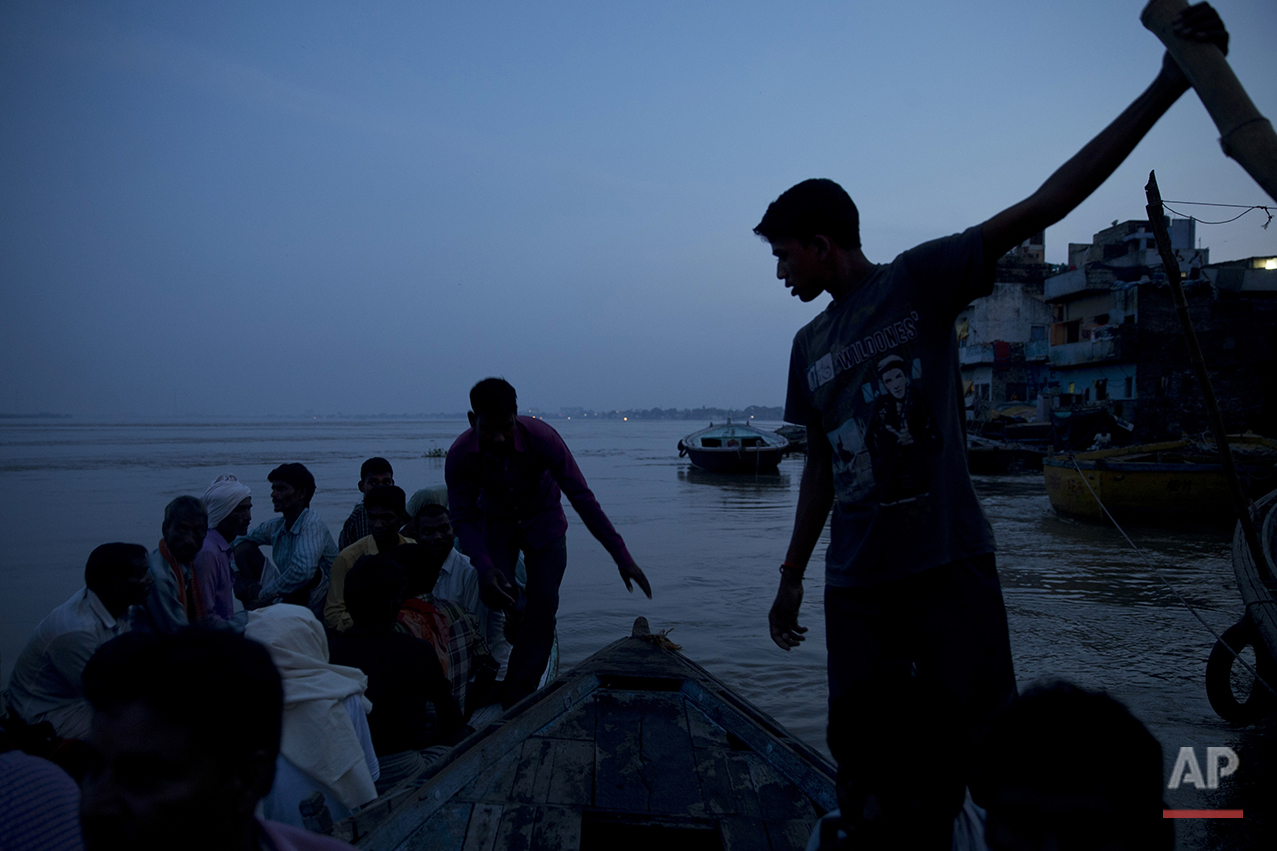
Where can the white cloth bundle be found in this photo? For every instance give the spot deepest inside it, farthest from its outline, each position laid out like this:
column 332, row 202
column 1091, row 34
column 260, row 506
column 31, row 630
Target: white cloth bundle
column 317, row 737
column 223, row 495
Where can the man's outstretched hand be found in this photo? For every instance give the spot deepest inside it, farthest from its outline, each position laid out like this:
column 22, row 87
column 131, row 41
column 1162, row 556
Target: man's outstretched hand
column 783, row 617
column 634, row 572
column 495, row 591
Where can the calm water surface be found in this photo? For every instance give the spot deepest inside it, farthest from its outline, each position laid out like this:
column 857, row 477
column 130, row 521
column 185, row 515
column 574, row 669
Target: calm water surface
column 1081, row 604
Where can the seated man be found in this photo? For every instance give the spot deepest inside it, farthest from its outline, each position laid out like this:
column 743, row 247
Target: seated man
column 452, row 631
column 384, row 507
column 405, row 683
column 175, row 599
column 301, row 546
column 374, row 473
column 46, row 680
column 458, row 581
column 229, row 504
column 181, row 760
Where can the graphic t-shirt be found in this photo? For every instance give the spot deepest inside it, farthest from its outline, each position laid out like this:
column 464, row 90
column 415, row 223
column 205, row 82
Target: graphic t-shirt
column 878, row 374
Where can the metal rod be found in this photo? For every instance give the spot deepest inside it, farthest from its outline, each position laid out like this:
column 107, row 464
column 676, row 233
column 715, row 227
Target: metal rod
column 1241, row 503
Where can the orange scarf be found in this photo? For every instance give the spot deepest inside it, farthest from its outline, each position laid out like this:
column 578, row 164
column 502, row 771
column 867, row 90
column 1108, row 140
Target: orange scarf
column 424, row 621
column 188, row 594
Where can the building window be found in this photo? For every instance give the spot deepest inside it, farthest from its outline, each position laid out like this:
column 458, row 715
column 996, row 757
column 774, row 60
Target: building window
column 1101, row 389
column 1037, row 333
column 1073, row 331
column 1130, row 387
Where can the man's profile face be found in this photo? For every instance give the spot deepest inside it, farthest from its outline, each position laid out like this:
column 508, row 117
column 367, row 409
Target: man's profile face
column 800, row 266
column 240, row 517
column 149, row 786
column 134, row 586
column 285, row 498
column 376, row 480
column 496, row 434
column 184, row 537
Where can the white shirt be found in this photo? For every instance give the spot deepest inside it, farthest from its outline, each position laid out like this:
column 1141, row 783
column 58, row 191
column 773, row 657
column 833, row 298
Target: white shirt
column 45, row 685
column 458, row 582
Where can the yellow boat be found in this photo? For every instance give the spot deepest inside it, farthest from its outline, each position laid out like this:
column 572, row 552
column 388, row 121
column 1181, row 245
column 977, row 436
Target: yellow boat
column 1170, row 482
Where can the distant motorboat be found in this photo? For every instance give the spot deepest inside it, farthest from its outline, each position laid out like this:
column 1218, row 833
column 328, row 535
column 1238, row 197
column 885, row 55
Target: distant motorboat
column 734, row 448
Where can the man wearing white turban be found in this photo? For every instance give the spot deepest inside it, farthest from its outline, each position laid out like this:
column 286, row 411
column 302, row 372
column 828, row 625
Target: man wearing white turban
column 229, row 504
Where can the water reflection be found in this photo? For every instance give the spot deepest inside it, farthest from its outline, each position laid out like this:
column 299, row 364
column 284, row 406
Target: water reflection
column 781, row 480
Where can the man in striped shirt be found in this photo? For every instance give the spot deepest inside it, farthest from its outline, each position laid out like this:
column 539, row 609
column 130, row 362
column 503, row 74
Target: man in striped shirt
column 301, row 546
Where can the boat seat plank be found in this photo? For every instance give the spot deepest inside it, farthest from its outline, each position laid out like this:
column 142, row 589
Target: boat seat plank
column 481, row 833
column 666, row 752
column 572, row 779
column 618, row 783
column 443, row 831
column 716, row 782
column 557, row 829
column 532, row 778
column 705, row 733
column 741, row 833
column 514, row 832
column 778, row 798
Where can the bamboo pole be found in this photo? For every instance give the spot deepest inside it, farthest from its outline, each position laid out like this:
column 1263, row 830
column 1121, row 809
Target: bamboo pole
column 1245, row 135
column 1241, row 504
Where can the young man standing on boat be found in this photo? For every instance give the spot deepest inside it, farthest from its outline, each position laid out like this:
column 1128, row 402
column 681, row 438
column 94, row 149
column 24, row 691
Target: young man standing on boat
column 911, row 584
column 505, row 475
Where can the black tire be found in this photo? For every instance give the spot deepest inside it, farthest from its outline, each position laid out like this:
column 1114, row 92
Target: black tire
column 1219, row 669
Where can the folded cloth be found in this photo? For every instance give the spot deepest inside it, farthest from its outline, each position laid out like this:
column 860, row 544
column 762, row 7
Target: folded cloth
column 317, row 736
column 223, row 495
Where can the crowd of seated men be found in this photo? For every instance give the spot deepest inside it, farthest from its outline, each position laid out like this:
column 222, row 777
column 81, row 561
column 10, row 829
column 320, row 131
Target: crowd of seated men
column 379, row 653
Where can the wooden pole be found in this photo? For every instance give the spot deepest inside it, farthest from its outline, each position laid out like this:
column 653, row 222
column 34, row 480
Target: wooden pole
column 1241, row 504
column 1245, row 135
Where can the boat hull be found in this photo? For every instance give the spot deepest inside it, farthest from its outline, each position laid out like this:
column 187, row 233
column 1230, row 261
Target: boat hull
column 750, row 460
column 1134, row 484
column 635, row 742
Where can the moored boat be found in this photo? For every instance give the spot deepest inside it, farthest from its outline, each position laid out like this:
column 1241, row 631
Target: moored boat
column 1169, row 482
column 988, row 457
column 734, row 448
column 637, row 744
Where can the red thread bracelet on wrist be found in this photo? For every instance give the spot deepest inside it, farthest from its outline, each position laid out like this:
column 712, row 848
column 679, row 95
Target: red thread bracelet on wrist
column 788, row 565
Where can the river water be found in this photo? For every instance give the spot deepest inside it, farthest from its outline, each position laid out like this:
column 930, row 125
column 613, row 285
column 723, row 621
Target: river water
column 1081, row 604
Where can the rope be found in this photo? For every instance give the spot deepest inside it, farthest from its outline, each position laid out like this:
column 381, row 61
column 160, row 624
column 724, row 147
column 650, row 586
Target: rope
column 1244, row 210
column 1166, row 582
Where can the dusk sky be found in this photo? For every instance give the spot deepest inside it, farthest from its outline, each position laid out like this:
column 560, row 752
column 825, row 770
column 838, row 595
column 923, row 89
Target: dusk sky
column 265, row 208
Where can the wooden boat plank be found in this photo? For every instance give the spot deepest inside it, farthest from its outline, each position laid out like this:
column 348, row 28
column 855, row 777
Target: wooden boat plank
column 495, row 783
column 443, row 831
column 532, row 778
column 572, row 780
column 514, row 832
column 575, row 724
column 618, row 761
column 705, row 733
column 788, row 833
column 778, row 799
column 557, row 829
column 714, row 775
column 666, row 751
column 744, row 833
column 745, row 795
column 481, row 833
column 762, row 734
